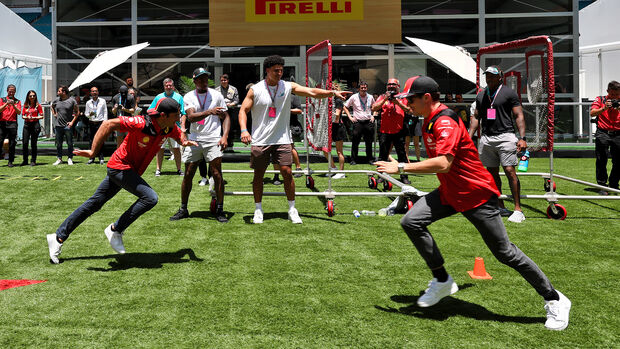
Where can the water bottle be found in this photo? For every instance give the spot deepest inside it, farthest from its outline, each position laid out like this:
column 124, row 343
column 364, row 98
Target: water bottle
column 524, row 162
column 383, row 212
column 356, row 213
column 368, row 213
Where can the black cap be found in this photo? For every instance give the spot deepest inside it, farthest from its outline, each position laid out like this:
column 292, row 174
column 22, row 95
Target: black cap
column 122, row 90
column 164, row 105
column 200, row 71
column 419, row 85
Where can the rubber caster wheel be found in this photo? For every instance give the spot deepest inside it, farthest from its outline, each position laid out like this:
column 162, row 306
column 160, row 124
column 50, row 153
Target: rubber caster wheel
column 372, row 183
column 547, row 185
column 309, row 182
column 387, row 186
column 330, row 208
column 213, row 206
column 561, row 212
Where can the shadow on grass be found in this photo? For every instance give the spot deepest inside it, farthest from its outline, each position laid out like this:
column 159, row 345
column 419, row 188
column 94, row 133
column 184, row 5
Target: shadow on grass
column 143, row 260
column 284, row 216
column 450, row 307
column 209, row 216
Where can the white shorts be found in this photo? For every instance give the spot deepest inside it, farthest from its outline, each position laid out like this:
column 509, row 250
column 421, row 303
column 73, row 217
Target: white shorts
column 207, row 151
column 171, row 142
column 498, row 150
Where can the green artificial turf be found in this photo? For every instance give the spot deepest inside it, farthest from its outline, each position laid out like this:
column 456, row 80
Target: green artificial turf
column 330, row 282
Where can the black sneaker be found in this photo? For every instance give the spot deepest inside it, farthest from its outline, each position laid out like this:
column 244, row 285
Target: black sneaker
column 297, row 175
column 405, row 179
column 353, row 163
column 180, row 173
column 180, row 215
column 90, row 161
column 221, row 217
column 504, row 212
column 276, row 181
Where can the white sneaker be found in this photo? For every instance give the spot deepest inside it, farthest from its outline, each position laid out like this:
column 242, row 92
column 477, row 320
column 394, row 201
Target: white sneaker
column 516, row 217
column 58, row 162
column 258, row 216
column 339, row 176
column 293, row 215
column 69, row 161
column 54, row 248
column 116, row 239
column 557, row 313
column 211, row 183
column 436, row 291
column 203, row 182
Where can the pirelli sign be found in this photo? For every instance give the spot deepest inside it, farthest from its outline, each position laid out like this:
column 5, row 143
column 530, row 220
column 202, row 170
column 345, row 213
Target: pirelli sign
column 303, row 22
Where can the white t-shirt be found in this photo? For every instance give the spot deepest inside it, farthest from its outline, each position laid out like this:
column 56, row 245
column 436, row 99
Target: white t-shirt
column 361, row 111
column 208, row 130
column 269, row 130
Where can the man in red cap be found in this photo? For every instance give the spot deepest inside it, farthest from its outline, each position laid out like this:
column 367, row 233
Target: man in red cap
column 466, row 187
column 392, row 132
column 127, row 164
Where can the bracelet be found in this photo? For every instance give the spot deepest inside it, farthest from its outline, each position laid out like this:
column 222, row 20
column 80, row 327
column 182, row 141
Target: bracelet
column 244, row 130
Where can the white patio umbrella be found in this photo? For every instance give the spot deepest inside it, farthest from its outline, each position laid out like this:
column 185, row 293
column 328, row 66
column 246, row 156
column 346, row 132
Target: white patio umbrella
column 453, row 57
column 105, row 61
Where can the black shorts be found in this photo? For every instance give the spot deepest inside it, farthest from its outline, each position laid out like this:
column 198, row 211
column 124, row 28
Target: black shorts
column 338, row 132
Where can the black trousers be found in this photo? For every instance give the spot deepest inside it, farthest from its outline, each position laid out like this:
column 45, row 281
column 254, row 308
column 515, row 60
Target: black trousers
column 93, row 126
column 30, row 135
column 361, row 129
column 386, row 140
column 8, row 130
column 607, row 141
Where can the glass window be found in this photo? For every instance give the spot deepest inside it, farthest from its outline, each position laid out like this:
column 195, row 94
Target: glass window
column 458, row 32
column 172, row 10
column 508, row 29
column 260, row 51
column 150, row 81
column 86, row 42
column 107, row 83
column 374, row 72
column 521, row 6
column 359, row 50
column 186, row 39
column 93, row 11
column 439, row 7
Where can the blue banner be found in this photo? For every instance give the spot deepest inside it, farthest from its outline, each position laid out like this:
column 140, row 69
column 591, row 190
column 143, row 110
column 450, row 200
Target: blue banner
column 24, row 79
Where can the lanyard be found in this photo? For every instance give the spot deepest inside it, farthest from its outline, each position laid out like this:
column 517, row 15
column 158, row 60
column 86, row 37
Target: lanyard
column 494, row 95
column 204, row 101
column 363, row 104
column 273, row 98
column 95, row 102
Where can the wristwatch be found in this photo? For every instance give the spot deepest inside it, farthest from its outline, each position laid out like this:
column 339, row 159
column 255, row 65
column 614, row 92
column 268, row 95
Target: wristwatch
column 523, row 138
column 401, row 167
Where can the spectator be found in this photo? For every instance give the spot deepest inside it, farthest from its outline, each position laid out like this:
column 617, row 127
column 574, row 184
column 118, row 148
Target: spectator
column 462, row 110
column 414, row 132
column 97, row 112
column 169, row 92
column 210, row 123
column 136, row 96
column 10, row 108
column 270, row 103
column 32, row 112
column 392, row 132
column 338, row 134
column 65, row 111
column 363, row 121
column 495, row 107
column 605, row 110
column 231, row 96
column 124, row 105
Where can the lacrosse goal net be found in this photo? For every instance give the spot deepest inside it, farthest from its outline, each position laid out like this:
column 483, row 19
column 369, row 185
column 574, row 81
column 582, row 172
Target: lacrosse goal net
column 319, row 111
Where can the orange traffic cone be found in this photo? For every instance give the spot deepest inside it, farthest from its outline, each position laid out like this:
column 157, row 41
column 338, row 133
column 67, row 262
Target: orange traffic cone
column 479, row 271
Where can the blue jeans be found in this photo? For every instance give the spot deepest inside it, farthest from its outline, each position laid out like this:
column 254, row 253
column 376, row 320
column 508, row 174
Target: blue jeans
column 62, row 131
column 110, row 186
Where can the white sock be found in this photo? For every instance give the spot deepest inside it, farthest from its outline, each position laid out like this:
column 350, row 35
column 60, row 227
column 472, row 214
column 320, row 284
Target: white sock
column 259, row 205
column 291, row 204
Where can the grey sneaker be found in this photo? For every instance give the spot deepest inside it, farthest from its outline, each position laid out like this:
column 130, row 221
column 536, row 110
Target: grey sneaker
column 557, row 313
column 157, row 173
column 436, row 291
column 116, row 239
column 54, row 247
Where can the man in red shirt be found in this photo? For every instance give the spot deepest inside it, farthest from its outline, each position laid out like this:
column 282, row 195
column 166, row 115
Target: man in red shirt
column 10, row 107
column 392, row 131
column 607, row 118
column 466, row 187
column 127, row 164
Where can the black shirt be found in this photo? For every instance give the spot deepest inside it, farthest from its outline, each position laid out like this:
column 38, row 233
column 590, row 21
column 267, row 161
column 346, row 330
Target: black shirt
column 127, row 102
column 505, row 99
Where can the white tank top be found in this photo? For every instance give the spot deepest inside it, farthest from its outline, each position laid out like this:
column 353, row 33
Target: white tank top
column 267, row 130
